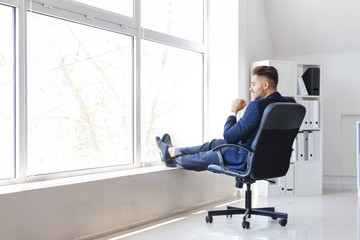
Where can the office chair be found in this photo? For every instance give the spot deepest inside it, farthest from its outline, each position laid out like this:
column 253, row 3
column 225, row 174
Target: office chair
column 268, row 157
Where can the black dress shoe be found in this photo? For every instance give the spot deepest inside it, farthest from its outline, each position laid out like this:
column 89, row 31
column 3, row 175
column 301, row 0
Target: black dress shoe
column 164, row 153
column 167, row 139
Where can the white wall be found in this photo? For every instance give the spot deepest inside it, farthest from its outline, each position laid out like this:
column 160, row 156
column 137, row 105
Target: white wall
column 92, row 208
column 259, row 36
column 222, row 65
column 231, row 50
column 341, row 98
column 314, row 26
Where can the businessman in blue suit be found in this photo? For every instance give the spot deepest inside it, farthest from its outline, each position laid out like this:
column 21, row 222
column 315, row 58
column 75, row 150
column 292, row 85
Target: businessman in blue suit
column 264, row 90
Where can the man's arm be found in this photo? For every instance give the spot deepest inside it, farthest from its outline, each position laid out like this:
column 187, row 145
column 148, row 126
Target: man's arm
column 237, row 105
column 236, row 131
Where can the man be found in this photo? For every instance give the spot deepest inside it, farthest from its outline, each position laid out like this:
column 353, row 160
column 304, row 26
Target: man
column 264, row 90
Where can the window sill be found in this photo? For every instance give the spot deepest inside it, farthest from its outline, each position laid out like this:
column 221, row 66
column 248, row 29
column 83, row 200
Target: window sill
column 21, row 187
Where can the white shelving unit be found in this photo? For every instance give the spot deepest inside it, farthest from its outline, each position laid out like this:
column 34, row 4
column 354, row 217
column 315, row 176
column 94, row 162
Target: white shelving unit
column 304, row 176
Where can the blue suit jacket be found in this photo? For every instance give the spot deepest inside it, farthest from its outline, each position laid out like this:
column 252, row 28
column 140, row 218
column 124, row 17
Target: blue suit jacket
column 244, row 131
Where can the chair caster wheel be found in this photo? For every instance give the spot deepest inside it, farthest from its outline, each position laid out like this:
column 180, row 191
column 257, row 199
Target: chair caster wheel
column 246, row 225
column 274, row 218
column 229, row 216
column 283, row 222
column 209, row 219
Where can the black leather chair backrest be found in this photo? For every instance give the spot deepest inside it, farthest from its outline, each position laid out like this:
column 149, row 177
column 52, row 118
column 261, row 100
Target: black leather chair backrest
column 272, row 145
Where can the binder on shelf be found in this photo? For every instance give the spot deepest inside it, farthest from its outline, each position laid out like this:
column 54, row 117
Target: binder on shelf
column 314, row 146
column 289, row 180
column 293, row 153
column 310, row 115
column 301, row 146
column 316, row 141
column 282, row 182
column 311, row 79
column 301, row 87
column 305, row 123
column 311, row 146
column 315, row 114
column 306, row 146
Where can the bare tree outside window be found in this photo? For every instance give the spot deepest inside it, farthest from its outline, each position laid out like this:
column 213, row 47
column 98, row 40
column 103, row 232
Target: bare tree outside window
column 171, row 78
column 79, row 96
column 171, row 96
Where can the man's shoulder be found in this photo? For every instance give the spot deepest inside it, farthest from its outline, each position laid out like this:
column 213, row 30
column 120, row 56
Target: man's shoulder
column 275, row 97
column 288, row 99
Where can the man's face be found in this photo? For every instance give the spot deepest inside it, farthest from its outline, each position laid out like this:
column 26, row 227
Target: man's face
column 257, row 86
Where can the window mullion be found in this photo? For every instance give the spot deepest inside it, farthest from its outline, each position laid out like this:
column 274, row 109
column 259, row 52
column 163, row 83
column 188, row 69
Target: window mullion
column 136, row 86
column 91, row 13
column 21, row 100
column 172, row 41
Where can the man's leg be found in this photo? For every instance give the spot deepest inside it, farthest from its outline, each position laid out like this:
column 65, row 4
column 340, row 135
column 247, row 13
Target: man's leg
column 198, row 161
column 200, row 157
column 177, row 152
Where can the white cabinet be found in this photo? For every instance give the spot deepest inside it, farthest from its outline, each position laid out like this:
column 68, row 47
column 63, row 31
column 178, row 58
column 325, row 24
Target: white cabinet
column 305, row 172
column 358, row 155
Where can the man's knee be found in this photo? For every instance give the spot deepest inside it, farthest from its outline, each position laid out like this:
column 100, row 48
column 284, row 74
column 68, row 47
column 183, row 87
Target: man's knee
column 216, row 142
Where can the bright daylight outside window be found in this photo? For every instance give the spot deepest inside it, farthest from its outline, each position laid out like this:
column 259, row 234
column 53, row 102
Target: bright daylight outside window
column 171, row 96
column 123, row 7
column 180, row 18
column 7, row 166
column 171, row 77
column 79, row 91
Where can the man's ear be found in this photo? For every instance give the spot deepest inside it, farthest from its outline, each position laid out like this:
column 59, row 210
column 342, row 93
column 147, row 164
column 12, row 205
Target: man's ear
column 266, row 84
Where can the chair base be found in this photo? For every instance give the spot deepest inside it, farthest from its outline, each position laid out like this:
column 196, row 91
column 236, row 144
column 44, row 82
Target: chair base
column 248, row 211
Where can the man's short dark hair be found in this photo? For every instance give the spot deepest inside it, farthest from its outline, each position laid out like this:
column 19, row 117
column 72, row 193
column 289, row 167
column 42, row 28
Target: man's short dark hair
column 269, row 72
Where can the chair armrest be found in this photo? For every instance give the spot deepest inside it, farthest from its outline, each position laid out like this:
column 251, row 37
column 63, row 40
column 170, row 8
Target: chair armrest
column 222, row 168
column 232, row 145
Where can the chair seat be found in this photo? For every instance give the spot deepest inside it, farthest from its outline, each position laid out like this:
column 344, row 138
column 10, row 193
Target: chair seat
column 219, row 169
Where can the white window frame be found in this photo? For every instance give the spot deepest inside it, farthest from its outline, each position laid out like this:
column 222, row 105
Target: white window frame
column 90, row 16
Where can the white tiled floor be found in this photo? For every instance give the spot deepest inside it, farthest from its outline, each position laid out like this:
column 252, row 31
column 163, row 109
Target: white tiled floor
column 333, row 215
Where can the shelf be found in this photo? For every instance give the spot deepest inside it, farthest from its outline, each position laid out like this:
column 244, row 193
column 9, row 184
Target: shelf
column 307, row 162
column 308, row 97
column 309, row 129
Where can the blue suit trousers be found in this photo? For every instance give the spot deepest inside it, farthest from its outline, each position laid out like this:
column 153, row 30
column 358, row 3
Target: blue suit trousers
column 198, row 158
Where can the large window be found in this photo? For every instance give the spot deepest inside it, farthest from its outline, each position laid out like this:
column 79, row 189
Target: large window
column 124, row 7
column 171, row 77
column 86, row 86
column 181, row 18
column 171, row 96
column 79, row 96
column 7, row 83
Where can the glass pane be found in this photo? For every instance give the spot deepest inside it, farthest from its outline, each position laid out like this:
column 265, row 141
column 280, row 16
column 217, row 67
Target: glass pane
column 123, row 7
column 79, row 96
column 7, row 163
column 181, row 18
column 171, row 97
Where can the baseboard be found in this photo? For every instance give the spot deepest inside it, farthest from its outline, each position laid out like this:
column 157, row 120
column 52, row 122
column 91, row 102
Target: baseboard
column 339, row 182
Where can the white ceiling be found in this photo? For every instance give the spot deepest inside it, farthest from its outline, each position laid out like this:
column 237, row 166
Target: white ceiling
column 301, row 27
